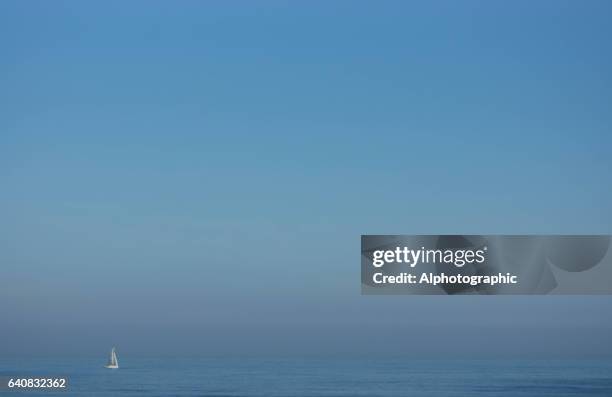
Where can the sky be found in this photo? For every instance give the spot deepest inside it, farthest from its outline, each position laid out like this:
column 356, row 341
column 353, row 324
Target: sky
column 194, row 177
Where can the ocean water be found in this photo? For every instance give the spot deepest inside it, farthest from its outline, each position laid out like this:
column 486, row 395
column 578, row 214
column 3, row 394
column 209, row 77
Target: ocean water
column 318, row 377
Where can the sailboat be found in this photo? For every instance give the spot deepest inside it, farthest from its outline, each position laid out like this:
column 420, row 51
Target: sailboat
column 112, row 362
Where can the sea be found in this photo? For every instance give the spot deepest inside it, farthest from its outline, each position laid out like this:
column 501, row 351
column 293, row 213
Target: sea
column 303, row 377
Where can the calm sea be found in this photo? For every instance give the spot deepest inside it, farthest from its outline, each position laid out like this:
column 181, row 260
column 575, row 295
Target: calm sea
column 319, row 377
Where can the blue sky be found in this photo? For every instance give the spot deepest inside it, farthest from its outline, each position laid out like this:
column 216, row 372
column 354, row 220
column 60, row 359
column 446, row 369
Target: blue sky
column 203, row 170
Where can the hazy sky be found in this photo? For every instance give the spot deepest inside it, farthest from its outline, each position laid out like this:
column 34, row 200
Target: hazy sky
column 194, row 176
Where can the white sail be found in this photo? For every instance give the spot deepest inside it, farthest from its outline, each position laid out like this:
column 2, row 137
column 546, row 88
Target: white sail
column 113, row 362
